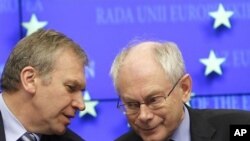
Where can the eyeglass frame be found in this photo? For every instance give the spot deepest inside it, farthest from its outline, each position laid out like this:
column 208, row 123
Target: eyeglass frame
column 146, row 103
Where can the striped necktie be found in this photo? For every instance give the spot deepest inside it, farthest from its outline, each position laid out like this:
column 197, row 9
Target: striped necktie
column 27, row 137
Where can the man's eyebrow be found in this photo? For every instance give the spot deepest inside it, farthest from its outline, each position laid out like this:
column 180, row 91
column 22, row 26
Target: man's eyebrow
column 78, row 84
column 154, row 93
column 126, row 98
column 150, row 95
column 130, row 100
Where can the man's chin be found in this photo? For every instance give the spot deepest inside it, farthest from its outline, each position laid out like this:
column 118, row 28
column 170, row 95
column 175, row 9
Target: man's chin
column 152, row 136
column 60, row 131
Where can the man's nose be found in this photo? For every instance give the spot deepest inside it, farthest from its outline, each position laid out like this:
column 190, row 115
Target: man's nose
column 145, row 113
column 78, row 101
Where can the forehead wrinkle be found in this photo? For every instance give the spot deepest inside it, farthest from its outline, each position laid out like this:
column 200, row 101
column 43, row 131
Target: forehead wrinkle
column 151, row 93
column 139, row 65
column 141, row 56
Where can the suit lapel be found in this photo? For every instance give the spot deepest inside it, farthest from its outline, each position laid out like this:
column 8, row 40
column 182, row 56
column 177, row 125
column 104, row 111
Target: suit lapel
column 2, row 133
column 201, row 130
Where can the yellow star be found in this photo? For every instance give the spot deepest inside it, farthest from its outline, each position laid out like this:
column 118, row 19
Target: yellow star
column 90, row 106
column 212, row 63
column 221, row 17
column 33, row 25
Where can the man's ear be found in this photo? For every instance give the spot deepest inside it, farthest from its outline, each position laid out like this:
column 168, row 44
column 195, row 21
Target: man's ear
column 186, row 87
column 28, row 75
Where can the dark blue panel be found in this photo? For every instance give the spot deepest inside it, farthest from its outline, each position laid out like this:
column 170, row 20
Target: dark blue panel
column 102, row 28
column 9, row 28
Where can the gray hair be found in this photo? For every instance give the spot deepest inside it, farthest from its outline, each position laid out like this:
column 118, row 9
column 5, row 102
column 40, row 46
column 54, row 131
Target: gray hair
column 39, row 51
column 166, row 53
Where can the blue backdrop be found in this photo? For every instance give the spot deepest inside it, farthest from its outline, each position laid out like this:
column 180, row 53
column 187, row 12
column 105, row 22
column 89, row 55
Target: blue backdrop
column 213, row 36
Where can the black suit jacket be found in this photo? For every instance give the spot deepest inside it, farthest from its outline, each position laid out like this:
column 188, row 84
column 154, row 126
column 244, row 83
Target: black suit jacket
column 68, row 136
column 206, row 125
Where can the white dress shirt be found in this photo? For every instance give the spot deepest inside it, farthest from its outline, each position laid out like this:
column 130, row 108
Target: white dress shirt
column 12, row 127
column 182, row 133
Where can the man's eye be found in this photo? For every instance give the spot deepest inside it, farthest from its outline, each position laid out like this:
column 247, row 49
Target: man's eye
column 132, row 105
column 70, row 88
column 155, row 99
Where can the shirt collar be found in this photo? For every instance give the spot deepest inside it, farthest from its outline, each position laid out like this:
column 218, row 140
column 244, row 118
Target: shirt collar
column 182, row 133
column 12, row 127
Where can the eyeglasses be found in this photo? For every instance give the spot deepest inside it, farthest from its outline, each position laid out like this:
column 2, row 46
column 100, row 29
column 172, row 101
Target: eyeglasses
column 152, row 103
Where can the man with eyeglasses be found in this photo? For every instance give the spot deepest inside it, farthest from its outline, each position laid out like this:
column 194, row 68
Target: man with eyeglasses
column 153, row 86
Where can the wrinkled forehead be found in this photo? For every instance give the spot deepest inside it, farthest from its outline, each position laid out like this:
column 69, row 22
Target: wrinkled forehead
column 139, row 68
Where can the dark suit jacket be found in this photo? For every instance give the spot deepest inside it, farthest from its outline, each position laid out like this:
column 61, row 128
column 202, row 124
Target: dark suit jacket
column 68, row 136
column 206, row 125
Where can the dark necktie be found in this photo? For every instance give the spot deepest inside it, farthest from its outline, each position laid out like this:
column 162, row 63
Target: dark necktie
column 27, row 137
